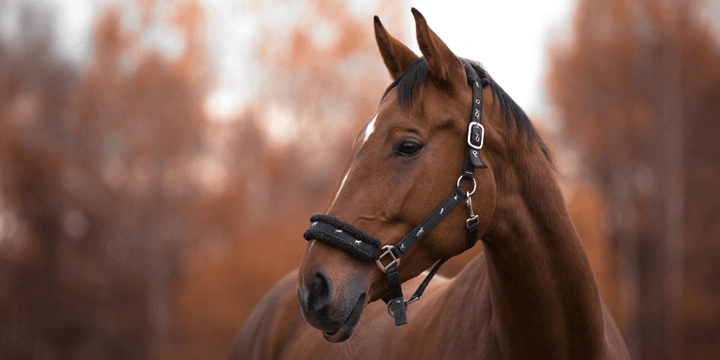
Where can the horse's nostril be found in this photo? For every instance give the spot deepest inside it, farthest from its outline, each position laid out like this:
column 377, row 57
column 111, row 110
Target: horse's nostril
column 321, row 293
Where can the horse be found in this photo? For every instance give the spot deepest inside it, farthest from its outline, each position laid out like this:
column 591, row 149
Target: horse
column 531, row 292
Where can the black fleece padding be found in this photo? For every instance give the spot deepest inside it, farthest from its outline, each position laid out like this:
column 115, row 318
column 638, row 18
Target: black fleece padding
column 344, row 236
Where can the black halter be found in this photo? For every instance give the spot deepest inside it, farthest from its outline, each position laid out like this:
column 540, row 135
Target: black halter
column 366, row 247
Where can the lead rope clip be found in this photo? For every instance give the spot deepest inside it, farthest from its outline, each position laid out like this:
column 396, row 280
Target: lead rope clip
column 473, row 217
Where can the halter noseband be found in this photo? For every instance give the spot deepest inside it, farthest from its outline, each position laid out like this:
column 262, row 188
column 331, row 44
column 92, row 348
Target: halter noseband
column 366, row 247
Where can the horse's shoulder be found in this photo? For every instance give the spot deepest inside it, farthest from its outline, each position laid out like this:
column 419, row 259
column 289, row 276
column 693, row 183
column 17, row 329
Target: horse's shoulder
column 270, row 322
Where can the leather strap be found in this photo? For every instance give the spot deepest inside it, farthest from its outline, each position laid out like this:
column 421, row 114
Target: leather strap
column 472, row 237
column 430, row 222
column 476, row 133
column 421, row 289
column 397, row 301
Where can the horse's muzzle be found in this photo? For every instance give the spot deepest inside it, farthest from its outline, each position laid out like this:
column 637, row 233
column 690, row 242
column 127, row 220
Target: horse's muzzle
column 326, row 310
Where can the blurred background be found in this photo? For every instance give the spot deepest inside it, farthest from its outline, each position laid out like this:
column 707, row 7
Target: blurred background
column 159, row 159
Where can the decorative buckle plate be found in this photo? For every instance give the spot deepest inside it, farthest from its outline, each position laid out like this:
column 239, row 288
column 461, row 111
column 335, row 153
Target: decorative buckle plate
column 388, row 251
column 480, row 138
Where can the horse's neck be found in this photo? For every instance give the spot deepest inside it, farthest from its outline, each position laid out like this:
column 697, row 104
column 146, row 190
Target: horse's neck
column 542, row 289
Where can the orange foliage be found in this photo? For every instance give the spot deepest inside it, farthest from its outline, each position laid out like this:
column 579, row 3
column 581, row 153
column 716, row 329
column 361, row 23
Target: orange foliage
column 96, row 194
column 638, row 91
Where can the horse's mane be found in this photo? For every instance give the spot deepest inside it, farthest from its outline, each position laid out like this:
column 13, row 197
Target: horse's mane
column 408, row 84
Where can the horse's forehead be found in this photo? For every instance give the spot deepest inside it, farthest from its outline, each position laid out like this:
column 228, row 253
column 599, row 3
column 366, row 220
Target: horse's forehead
column 369, row 129
column 385, row 116
column 433, row 100
column 430, row 104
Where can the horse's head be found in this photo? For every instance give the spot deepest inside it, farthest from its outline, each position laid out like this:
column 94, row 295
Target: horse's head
column 404, row 164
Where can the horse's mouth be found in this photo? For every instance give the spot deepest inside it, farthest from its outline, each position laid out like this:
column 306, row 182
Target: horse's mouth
column 348, row 326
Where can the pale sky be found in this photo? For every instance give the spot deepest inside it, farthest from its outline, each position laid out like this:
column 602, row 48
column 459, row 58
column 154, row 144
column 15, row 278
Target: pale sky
column 509, row 37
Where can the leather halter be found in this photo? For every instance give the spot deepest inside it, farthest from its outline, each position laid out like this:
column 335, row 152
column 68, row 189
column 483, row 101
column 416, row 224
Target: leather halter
column 366, row 247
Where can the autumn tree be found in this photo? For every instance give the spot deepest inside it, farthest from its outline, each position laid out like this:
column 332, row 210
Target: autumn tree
column 96, row 186
column 638, row 91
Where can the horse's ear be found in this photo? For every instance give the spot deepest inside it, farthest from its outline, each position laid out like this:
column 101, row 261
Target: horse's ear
column 396, row 55
column 443, row 64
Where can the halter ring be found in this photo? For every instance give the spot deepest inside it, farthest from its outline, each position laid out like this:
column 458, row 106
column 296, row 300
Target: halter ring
column 469, row 193
column 407, row 302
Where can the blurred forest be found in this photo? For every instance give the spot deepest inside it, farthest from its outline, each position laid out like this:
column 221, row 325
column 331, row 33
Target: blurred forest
column 134, row 225
column 638, row 92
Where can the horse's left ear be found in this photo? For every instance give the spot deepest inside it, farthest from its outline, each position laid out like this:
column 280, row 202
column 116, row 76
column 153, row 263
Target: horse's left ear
column 396, row 55
column 444, row 65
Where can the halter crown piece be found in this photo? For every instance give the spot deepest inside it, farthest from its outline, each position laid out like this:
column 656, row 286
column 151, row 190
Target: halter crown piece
column 366, row 247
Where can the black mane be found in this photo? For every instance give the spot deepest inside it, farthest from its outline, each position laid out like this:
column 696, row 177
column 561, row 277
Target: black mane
column 408, row 84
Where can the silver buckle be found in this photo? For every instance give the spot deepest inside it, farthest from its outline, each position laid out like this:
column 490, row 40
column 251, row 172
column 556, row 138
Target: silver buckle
column 470, row 220
column 481, row 138
column 395, row 260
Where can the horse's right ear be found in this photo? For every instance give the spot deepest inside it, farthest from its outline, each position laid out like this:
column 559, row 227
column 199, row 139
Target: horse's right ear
column 396, row 55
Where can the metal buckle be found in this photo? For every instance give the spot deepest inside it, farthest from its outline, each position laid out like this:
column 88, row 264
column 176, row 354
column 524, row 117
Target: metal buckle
column 470, row 220
column 395, row 260
column 480, row 138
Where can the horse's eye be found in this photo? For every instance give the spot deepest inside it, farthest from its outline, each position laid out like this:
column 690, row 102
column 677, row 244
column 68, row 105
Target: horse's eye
column 408, row 148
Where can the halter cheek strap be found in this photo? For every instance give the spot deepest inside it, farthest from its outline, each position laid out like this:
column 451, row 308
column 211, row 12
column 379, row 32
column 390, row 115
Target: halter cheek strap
column 366, row 247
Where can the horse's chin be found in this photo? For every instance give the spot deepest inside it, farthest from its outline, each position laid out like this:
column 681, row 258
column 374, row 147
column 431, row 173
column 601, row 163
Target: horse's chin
column 348, row 327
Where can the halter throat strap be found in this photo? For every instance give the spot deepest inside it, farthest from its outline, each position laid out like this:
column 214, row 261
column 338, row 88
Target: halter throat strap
column 366, row 247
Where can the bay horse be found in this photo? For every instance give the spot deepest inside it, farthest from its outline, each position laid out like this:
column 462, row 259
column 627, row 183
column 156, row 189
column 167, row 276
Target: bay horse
column 530, row 294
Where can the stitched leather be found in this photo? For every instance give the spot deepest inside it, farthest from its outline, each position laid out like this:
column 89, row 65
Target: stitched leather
column 476, row 135
column 430, row 222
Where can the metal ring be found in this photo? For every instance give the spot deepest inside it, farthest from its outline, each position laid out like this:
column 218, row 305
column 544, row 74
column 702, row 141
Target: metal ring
column 390, row 310
column 469, row 193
